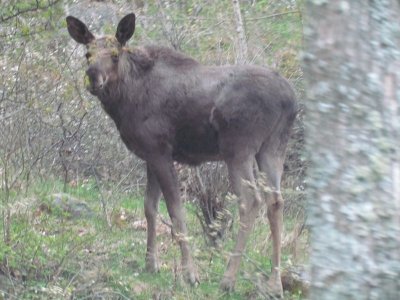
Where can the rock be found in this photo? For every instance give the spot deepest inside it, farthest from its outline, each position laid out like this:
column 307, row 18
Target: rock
column 74, row 207
column 296, row 279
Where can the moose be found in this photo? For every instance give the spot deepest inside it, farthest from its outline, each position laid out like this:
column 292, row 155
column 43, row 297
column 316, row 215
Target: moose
column 170, row 108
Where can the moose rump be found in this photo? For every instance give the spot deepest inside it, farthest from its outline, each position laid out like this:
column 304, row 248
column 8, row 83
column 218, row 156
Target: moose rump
column 168, row 107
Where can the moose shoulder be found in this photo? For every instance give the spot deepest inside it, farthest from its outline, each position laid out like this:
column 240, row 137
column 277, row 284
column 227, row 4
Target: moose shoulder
column 168, row 107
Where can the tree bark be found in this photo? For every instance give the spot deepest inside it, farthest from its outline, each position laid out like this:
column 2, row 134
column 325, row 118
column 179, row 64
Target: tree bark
column 242, row 56
column 352, row 66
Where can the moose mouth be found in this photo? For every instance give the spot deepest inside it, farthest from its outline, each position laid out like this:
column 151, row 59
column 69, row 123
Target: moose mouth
column 94, row 90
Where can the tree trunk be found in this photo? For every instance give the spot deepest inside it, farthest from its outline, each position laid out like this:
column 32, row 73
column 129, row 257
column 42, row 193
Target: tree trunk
column 242, row 55
column 352, row 66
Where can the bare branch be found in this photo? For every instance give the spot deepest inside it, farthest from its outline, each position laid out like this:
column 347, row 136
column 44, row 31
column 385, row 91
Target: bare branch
column 35, row 7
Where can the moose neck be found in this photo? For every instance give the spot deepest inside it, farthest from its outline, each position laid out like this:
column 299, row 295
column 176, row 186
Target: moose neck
column 112, row 100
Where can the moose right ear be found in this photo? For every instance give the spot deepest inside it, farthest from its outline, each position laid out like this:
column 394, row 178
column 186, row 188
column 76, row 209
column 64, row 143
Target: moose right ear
column 79, row 31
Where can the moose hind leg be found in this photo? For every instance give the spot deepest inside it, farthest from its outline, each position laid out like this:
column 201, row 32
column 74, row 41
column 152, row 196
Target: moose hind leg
column 272, row 166
column 152, row 197
column 243, row 184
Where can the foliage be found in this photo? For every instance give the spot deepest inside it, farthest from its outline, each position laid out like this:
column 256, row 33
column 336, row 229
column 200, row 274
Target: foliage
column 61, row 130
column 55, row 137
column 54, row 256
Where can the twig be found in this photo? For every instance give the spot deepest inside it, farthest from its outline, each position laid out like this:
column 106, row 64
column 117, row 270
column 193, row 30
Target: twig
column 228, row 19
column 165, row 222
column 73, row 278
column 274, row 15
column 103, row 202
column 254, row 263
column 30, row 9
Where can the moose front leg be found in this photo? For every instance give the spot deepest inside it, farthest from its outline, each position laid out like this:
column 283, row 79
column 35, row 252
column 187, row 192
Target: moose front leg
column 168, row 181
column 152, row 197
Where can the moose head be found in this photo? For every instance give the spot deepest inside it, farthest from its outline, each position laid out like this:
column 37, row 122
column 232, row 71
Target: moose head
column 103, row 54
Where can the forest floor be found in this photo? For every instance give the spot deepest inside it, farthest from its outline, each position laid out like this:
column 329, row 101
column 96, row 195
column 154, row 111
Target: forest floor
column 63, row 247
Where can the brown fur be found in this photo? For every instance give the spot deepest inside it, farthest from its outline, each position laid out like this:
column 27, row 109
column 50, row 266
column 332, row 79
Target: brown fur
column 168, row 107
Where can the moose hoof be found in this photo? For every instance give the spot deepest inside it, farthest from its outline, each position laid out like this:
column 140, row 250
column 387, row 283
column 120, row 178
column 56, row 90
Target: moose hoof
column 227, row 284
column 274, row 286
column 191, row 276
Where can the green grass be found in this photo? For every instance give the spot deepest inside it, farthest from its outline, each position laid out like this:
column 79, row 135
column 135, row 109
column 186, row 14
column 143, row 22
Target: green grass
column 54, row 256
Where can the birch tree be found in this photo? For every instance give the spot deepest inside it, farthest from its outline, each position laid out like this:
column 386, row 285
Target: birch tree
column 352, row 66
column 242, row 55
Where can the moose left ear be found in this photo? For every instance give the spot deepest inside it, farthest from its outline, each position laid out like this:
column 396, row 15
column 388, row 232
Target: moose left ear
column 79, row 31
column 125, row 29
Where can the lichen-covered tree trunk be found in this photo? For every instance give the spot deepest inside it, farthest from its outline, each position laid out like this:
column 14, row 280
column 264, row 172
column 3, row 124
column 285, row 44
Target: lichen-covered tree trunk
column 352, row 65
column 242, row 52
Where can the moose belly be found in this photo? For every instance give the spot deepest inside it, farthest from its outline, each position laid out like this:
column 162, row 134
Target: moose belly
column 196, row 144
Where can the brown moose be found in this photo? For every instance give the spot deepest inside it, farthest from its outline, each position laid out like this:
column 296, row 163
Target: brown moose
column 168, row 107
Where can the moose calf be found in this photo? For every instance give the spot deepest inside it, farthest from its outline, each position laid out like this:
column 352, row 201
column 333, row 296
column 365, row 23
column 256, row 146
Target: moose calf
column 168, row 107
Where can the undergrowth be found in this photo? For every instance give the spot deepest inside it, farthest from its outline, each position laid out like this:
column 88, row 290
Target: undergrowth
column 54, row 255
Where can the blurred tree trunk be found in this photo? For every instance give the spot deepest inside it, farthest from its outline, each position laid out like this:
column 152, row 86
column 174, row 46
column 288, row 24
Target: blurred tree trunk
column 241, row 56
column 352, row 66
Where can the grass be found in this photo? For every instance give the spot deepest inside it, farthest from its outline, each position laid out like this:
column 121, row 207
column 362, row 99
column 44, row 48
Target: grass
column 55, row 256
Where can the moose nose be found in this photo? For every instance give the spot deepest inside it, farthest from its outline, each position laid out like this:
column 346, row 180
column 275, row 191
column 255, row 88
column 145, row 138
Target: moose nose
column 96, row 81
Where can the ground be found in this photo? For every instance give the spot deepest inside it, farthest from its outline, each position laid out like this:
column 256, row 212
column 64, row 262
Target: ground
column 55, row 254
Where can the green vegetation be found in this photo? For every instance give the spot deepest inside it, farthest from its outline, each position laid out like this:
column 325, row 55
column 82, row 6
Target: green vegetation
column 54, row 255
column 56, row 139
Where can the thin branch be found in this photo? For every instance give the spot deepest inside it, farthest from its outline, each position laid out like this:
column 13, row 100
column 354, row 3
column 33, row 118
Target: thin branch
column 165, row 222
column 274, row 15
column 34, row 8
column 229, row 17
column 102, row 199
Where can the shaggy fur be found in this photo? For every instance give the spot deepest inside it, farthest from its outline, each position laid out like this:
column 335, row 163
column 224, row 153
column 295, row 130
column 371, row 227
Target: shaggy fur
column 168, row 107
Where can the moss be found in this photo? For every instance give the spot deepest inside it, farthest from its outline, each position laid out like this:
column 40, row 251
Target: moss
column 110, row 41
column 108, row 44
column 86, row 81
column 114, row 52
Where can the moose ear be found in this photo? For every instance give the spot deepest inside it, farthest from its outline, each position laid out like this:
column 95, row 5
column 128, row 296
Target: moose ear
column 125, row 29
column 78, row 31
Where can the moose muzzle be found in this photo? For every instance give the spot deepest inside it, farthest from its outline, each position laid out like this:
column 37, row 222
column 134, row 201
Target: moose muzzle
column 95, row 81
